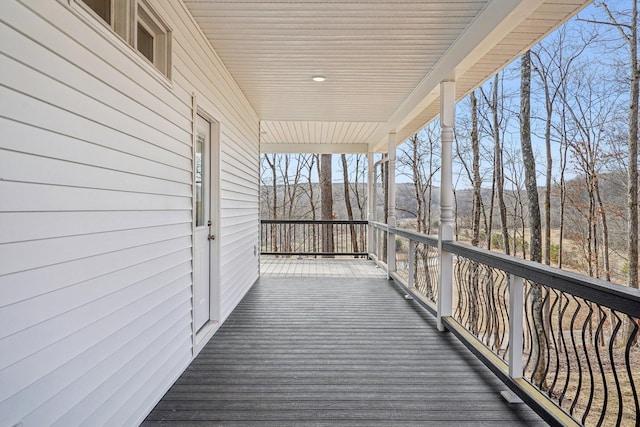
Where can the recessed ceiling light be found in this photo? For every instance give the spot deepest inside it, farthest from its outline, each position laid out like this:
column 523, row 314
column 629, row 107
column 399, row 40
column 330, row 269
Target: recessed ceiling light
column 318, row 78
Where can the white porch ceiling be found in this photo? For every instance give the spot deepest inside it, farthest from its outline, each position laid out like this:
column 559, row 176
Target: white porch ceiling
column 383, row 61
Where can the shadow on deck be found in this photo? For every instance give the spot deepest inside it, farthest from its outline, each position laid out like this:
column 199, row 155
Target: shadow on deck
column 335, row 351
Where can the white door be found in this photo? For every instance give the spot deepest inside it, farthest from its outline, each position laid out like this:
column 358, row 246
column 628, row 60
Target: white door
column 203, row 236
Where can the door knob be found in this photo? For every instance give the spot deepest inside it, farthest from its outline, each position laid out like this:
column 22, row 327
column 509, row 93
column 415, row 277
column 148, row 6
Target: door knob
column 211, row 237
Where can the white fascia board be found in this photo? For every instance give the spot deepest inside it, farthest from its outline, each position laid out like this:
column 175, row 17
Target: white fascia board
column 314, row 148
column 495, row 21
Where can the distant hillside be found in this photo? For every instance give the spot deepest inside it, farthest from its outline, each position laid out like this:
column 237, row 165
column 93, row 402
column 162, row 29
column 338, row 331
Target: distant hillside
column 612, row 186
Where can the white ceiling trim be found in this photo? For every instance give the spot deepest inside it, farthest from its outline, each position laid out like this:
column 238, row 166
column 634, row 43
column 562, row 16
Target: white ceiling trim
column 384, row 60
column 316, row 132
column 314, row 148
column 498, row 18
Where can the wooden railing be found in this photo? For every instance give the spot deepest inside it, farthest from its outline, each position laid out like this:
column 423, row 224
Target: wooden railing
column 564, row 343
column 313, row 238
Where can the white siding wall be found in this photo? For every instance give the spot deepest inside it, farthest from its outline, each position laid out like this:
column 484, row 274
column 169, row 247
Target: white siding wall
column 96, row 217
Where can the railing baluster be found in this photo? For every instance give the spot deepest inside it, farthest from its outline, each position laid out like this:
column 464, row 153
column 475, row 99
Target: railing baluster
column 516, row 331
column 412, row 259
column 306, row 237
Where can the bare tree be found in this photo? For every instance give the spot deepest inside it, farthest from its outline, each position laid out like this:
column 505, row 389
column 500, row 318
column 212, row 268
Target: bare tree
column 629, row 32
column 563, row 151
column 359, row 183
column 539, row 348
column 541, row 68
column 529, row 161
column 419, row 157
column 477, row 181
column 592, row 107
column 552, row 60
column 271, row 161
column 495, row 109
column 291, row 171
column 515, row 177
column 360, row 173
column 326, row 204
column 310, row 162
column 347, row 201
column 469, row 157
column 626, row 22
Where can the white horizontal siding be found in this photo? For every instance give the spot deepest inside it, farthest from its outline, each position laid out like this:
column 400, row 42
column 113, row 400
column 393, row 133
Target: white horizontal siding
column 239, row 154
column 43, row 197
column 58, row 276
column 100, row 69
column 25, row 226
column 96, row 213
column 45, row 143
column 37, row 334
column 40, row 85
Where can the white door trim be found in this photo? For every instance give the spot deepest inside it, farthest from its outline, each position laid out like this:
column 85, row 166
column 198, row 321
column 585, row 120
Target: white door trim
column 201, row 337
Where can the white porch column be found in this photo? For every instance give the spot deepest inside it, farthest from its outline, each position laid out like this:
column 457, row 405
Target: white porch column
column 447, row 120
column 371, row 201
column 391, row 219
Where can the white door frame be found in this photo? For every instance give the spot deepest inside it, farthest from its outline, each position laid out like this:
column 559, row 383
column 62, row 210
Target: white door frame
column 201, row 336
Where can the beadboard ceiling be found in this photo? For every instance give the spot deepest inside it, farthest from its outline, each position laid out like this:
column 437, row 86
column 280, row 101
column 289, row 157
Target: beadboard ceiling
column 383, row 61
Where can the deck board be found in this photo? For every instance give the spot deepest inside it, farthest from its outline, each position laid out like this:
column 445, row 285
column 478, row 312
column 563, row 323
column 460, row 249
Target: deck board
column 292, row 266
column 335, row 351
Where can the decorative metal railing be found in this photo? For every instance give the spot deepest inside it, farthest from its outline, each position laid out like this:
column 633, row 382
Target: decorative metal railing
column 319, row 238
column 566, row 344
column 417, row 264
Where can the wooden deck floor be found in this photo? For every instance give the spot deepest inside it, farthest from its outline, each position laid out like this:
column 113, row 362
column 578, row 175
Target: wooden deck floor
column 319, row 267
column 335, row 351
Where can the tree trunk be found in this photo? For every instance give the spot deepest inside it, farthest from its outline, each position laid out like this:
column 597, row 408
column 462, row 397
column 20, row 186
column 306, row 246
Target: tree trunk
column 477, row 183
column 564, row 158
column 499, row 168
column 361, row 198
column 347, row 202
column 632, row 255
column 547, row 187
column 417, row 184
column 528, row 158
column 312, row 203
column 326, row 203
column 539, row 347
column 274, row 203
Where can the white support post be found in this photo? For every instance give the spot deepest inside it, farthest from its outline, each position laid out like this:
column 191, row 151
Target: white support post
column 391, row 219
column 371, row 202
column 516, row 348
column 447, row 121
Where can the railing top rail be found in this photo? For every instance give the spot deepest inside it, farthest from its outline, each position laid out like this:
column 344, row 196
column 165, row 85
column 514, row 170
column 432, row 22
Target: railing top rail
column 618, row 297
column 410, row 234
column 311, row 221
column 414, row 235
column 377, row 224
